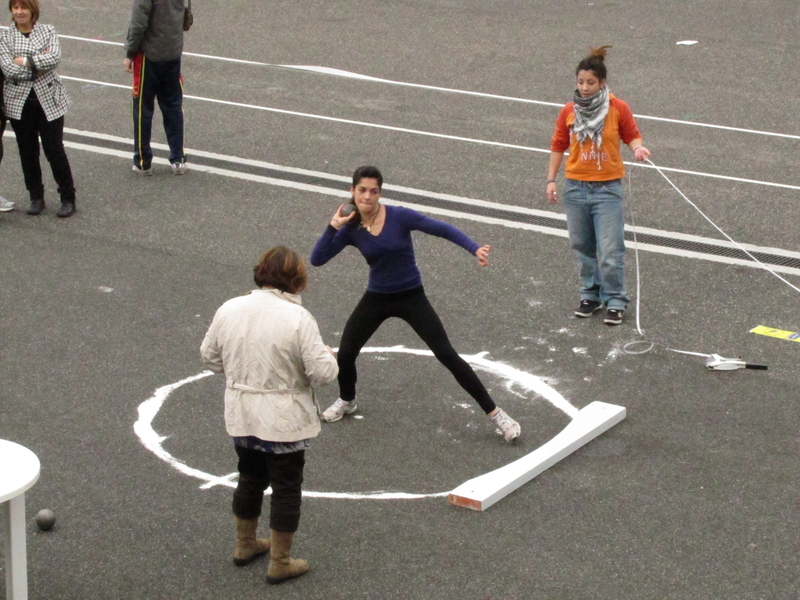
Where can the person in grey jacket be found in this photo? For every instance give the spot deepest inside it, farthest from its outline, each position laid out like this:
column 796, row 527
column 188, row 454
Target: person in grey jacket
column 271, row 352
column 35, row 102
column 153, row 55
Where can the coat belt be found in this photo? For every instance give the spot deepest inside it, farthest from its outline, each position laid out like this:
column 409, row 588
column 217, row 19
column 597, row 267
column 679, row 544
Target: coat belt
column 253, row 390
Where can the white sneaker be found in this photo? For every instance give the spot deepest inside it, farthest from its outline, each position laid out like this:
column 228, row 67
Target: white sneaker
column 506, row 425
column 178, row 168
column 144, row 172
column 6, row 205
column 339, row 409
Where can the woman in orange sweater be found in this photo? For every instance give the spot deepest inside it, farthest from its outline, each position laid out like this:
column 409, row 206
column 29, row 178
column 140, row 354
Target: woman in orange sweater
column 592, row 127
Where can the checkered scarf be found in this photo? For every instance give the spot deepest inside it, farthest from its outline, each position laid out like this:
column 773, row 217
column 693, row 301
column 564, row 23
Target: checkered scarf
column 590, row 116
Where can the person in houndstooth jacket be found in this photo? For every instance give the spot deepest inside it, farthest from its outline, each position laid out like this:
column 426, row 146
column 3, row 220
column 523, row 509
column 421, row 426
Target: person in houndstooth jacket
column 36, row 101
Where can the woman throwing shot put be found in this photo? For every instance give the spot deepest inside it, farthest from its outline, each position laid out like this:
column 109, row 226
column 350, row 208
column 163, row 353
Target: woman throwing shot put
column 591, row 127
column 383, row 236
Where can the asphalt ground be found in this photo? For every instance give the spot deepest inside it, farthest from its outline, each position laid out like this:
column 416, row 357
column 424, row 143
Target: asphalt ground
column 694, row 495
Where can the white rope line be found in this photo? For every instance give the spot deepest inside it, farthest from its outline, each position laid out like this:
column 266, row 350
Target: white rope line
column 735, row 243
column 627, row 348
column 636, row 255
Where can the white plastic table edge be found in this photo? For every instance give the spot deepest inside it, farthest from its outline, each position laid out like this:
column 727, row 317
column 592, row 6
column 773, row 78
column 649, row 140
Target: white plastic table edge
column 24, row 483
column 15, row 481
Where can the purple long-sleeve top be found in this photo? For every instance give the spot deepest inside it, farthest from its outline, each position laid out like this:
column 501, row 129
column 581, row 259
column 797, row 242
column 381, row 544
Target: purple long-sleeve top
column 390, row 254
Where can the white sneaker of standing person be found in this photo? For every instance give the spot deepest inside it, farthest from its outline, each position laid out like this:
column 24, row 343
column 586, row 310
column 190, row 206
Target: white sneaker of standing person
column 6, row 205
column 178, row 168
column 339, row 409
column 507, row 426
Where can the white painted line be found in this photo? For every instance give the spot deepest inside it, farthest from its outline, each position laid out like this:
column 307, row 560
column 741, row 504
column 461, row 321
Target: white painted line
column 727, row 260
column 224, row 480
column 148, row 410
column 448, row 197
column 716, row 242
column 482, row 492
column 440, row 135
column 221, row 157
column 335, row 119
column 341, row 73
column 343, row 194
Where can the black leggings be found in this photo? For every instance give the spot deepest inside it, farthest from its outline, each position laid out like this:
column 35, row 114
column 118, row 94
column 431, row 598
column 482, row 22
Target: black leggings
column 2, row 129
column 414, row 308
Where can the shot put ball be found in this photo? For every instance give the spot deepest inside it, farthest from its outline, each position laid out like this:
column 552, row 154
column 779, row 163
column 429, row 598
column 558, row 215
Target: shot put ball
column 45, row 519
column 348, row 209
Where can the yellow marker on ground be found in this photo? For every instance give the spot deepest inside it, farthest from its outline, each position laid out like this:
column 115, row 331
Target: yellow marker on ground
column 792, row 336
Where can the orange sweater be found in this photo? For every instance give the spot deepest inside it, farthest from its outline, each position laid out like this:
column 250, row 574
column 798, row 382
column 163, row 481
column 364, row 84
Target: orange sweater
column 585, row 162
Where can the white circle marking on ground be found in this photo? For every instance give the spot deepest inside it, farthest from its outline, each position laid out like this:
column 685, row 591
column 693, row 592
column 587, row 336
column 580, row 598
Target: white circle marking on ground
column 143, row 427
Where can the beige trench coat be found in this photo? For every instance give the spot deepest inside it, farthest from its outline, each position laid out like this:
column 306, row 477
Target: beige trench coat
column 271, row 352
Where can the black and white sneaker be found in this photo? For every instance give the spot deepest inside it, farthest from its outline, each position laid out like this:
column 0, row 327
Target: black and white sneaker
column 613, row 316
column 507, row 426
column 587, row 308
column 145, row 172
column 339, row 409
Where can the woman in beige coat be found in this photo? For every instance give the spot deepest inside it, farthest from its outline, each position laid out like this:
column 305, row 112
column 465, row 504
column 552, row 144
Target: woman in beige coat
column 271, row 352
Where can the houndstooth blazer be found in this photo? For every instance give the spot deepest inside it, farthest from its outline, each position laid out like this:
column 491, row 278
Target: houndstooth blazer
column 44, row 50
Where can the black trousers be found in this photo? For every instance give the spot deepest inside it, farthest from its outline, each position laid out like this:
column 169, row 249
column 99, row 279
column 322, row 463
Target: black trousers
column 414, row 308
column 260, row 470
column 2, row 129
column 28, row 129
column 162, row 81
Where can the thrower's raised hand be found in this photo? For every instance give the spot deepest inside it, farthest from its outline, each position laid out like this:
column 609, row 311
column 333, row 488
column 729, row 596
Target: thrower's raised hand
column 482, row 255
column 338, row 221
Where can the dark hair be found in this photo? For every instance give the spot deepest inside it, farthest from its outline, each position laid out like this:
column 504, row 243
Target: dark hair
column 31, row 5
column 367, row 172
column 364, row 172
column 594, row 62
column 282, row 269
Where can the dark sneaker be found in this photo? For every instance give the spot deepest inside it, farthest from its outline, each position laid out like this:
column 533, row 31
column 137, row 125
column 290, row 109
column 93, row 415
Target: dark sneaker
column 587, row 308
column 67, row 210
column 36, row 207
column 613, row 316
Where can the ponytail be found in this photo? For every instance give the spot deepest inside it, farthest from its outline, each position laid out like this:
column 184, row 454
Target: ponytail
column 595, row 62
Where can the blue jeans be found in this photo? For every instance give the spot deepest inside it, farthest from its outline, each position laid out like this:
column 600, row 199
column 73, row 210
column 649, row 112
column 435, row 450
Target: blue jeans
column 595, row 220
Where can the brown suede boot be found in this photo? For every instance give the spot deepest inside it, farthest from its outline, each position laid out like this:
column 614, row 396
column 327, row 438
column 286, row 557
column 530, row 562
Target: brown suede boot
column 248, row 546
column 281, row 566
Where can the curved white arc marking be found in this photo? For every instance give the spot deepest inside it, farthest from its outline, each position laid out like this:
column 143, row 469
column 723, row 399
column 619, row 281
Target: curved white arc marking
column 143, row 427
column 529, row 382
column 372, row 495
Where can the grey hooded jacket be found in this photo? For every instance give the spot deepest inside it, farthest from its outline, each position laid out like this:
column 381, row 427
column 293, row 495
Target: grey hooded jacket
column 156, row 29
